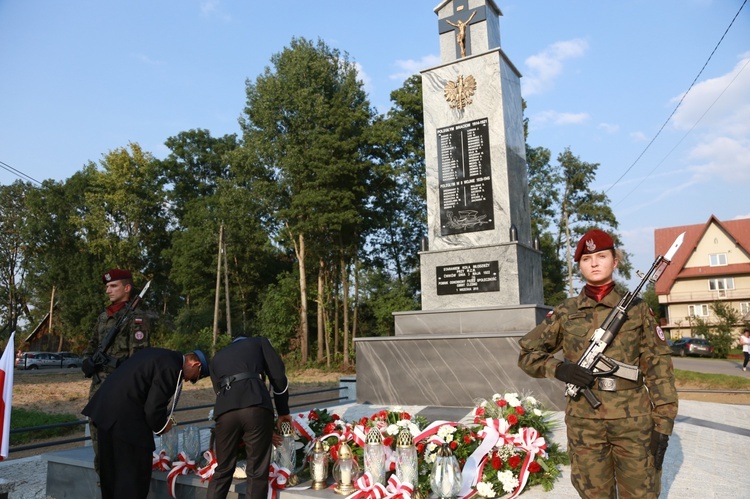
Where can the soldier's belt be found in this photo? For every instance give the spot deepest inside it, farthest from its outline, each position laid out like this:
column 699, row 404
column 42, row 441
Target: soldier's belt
column 225, row 383
column 612, row 384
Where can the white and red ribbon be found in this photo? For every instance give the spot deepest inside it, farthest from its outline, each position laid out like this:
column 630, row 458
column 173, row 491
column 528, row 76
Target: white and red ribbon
column 368, row 488
column 277, row 479
column 207, row 472
column 495, row 432
column 161, row 461
column 397, row 489
column 303, row 428
column 529, row 440
column 182, row 466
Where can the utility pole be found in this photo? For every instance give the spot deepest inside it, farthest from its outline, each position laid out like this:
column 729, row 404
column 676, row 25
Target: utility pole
column 218, row 286
column 226, row 292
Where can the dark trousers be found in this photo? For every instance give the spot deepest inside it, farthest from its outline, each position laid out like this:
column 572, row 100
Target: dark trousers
column 254, row 427
column 124, row 468
column 747, row 358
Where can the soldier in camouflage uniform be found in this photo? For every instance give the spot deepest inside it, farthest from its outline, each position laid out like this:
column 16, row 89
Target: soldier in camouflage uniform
column 133, row 335
column 616, row 450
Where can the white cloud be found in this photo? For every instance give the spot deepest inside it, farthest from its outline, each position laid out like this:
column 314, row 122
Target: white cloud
column 147, row 60
column 638, row 136
column 720, row 104
column 410, row 67
column 211, row 8
column 544, row 68
column 608, row 127
column 365, row 78
column 722, row 157
column 545, row 118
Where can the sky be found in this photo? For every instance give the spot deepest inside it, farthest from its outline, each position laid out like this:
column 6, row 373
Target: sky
column 655, row 92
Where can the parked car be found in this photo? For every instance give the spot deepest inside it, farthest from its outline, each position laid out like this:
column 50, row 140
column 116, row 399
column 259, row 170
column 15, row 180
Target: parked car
column 38, row 360
column 70, row 359
column 692, row 346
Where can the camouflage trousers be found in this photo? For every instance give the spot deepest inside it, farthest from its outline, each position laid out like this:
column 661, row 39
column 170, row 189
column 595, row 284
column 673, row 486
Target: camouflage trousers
column 611, row 458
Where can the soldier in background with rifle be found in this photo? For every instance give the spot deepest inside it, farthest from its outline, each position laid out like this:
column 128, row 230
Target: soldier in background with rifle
column 128, row 330
column 617, row 356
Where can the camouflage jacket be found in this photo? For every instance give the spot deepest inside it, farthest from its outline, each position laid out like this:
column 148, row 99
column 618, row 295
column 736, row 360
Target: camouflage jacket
column 134, row 334
column 640, row 342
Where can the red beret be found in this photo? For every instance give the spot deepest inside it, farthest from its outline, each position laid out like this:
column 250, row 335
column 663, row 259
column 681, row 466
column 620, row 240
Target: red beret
column 593, row 241
column 116, row 275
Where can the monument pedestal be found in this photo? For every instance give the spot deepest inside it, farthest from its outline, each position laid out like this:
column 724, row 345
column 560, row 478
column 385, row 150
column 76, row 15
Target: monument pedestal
column 450, row 358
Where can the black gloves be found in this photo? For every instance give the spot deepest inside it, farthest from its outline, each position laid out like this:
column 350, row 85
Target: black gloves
column 574, row 374
column 88, row 367
column 659, row 442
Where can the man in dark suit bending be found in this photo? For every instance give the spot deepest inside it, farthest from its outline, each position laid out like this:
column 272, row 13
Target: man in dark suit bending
column 244, row 412
column 133, row 403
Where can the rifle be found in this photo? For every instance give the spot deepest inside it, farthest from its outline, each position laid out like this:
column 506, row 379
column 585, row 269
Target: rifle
column 593, row 358
column 101, row 358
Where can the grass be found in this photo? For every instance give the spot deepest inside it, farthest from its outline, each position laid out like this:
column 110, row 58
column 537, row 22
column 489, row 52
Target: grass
column 712, row 381
column 23, row 418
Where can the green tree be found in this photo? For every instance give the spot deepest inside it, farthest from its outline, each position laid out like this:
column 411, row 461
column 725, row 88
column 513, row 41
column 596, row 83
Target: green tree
column 13, row 217
column 58, row 259
column 305, row 126
column 721, row 333
column 399, row 208
column 580, row 209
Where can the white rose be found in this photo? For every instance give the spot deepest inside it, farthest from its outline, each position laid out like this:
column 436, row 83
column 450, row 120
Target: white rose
column 485, row 489
column 392, row 429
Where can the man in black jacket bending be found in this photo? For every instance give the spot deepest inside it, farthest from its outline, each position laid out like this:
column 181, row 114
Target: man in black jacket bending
column 244, row 412
column 133, row 403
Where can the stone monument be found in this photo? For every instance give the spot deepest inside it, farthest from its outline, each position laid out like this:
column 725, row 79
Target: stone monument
column 480, row 270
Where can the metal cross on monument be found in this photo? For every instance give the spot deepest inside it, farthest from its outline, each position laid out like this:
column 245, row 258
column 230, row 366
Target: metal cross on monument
column 460, row 21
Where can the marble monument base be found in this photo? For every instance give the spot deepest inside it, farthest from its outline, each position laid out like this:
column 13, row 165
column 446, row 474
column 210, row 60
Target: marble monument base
column 450, row 358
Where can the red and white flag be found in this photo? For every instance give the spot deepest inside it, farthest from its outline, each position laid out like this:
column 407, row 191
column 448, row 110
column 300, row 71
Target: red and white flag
column 6, row 397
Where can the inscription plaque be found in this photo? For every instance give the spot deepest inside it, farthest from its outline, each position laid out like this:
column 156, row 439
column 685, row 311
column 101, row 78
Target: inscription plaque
column 465, row 278
column 465, row 178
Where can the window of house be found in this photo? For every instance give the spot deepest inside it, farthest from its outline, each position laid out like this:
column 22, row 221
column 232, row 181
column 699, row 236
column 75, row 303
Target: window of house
column 744, row 307
column 717, row 259
column 698, row 310
column 721, row 284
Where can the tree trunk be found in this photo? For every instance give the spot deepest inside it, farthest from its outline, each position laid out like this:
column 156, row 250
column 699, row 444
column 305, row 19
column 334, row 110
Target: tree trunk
column 321, row 306
column 345, row 306
column 303, row 298
column 356, row 299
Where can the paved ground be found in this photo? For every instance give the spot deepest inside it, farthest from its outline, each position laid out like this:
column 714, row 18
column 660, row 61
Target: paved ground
column 707, row 455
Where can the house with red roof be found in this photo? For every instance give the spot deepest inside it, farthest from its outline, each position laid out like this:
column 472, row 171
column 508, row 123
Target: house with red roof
column 713, row 264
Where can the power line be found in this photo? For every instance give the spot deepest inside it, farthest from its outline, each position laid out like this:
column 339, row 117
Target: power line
column 679, row 103
column 18, row 173
column 685, row 135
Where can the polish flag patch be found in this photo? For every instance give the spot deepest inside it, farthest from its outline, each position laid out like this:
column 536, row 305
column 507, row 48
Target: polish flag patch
column 660, row 333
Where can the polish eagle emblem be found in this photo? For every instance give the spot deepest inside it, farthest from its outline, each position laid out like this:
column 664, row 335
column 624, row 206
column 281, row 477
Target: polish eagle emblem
column 458, row 93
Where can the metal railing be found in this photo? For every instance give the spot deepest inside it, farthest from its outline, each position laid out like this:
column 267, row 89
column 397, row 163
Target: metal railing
column 179, row 409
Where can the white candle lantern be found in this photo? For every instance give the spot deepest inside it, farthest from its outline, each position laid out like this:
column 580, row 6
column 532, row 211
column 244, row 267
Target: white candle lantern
column 345, row 470
column 375, row 455
column 406, row 458
column 445, row 478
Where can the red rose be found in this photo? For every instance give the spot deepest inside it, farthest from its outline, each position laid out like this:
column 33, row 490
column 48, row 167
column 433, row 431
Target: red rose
column 520, row 411
column 329, row 428
column 497, row 463
column 453, row 445
column 334, row 452
column 383, row 414
column 502, row 403
column 514, row 461
column 420, row 448
column 476, row 420
column 512, row 419
column 335, row 417
column 313, row 415
column 387, row 441
column 534, row 467
column 405, row 415
column 364, row 421
column 480, row 411
column 467, row 439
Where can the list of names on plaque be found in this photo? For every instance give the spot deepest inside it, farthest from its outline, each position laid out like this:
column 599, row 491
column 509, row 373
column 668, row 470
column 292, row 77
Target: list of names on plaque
column 465, row 178
column 465, row 278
